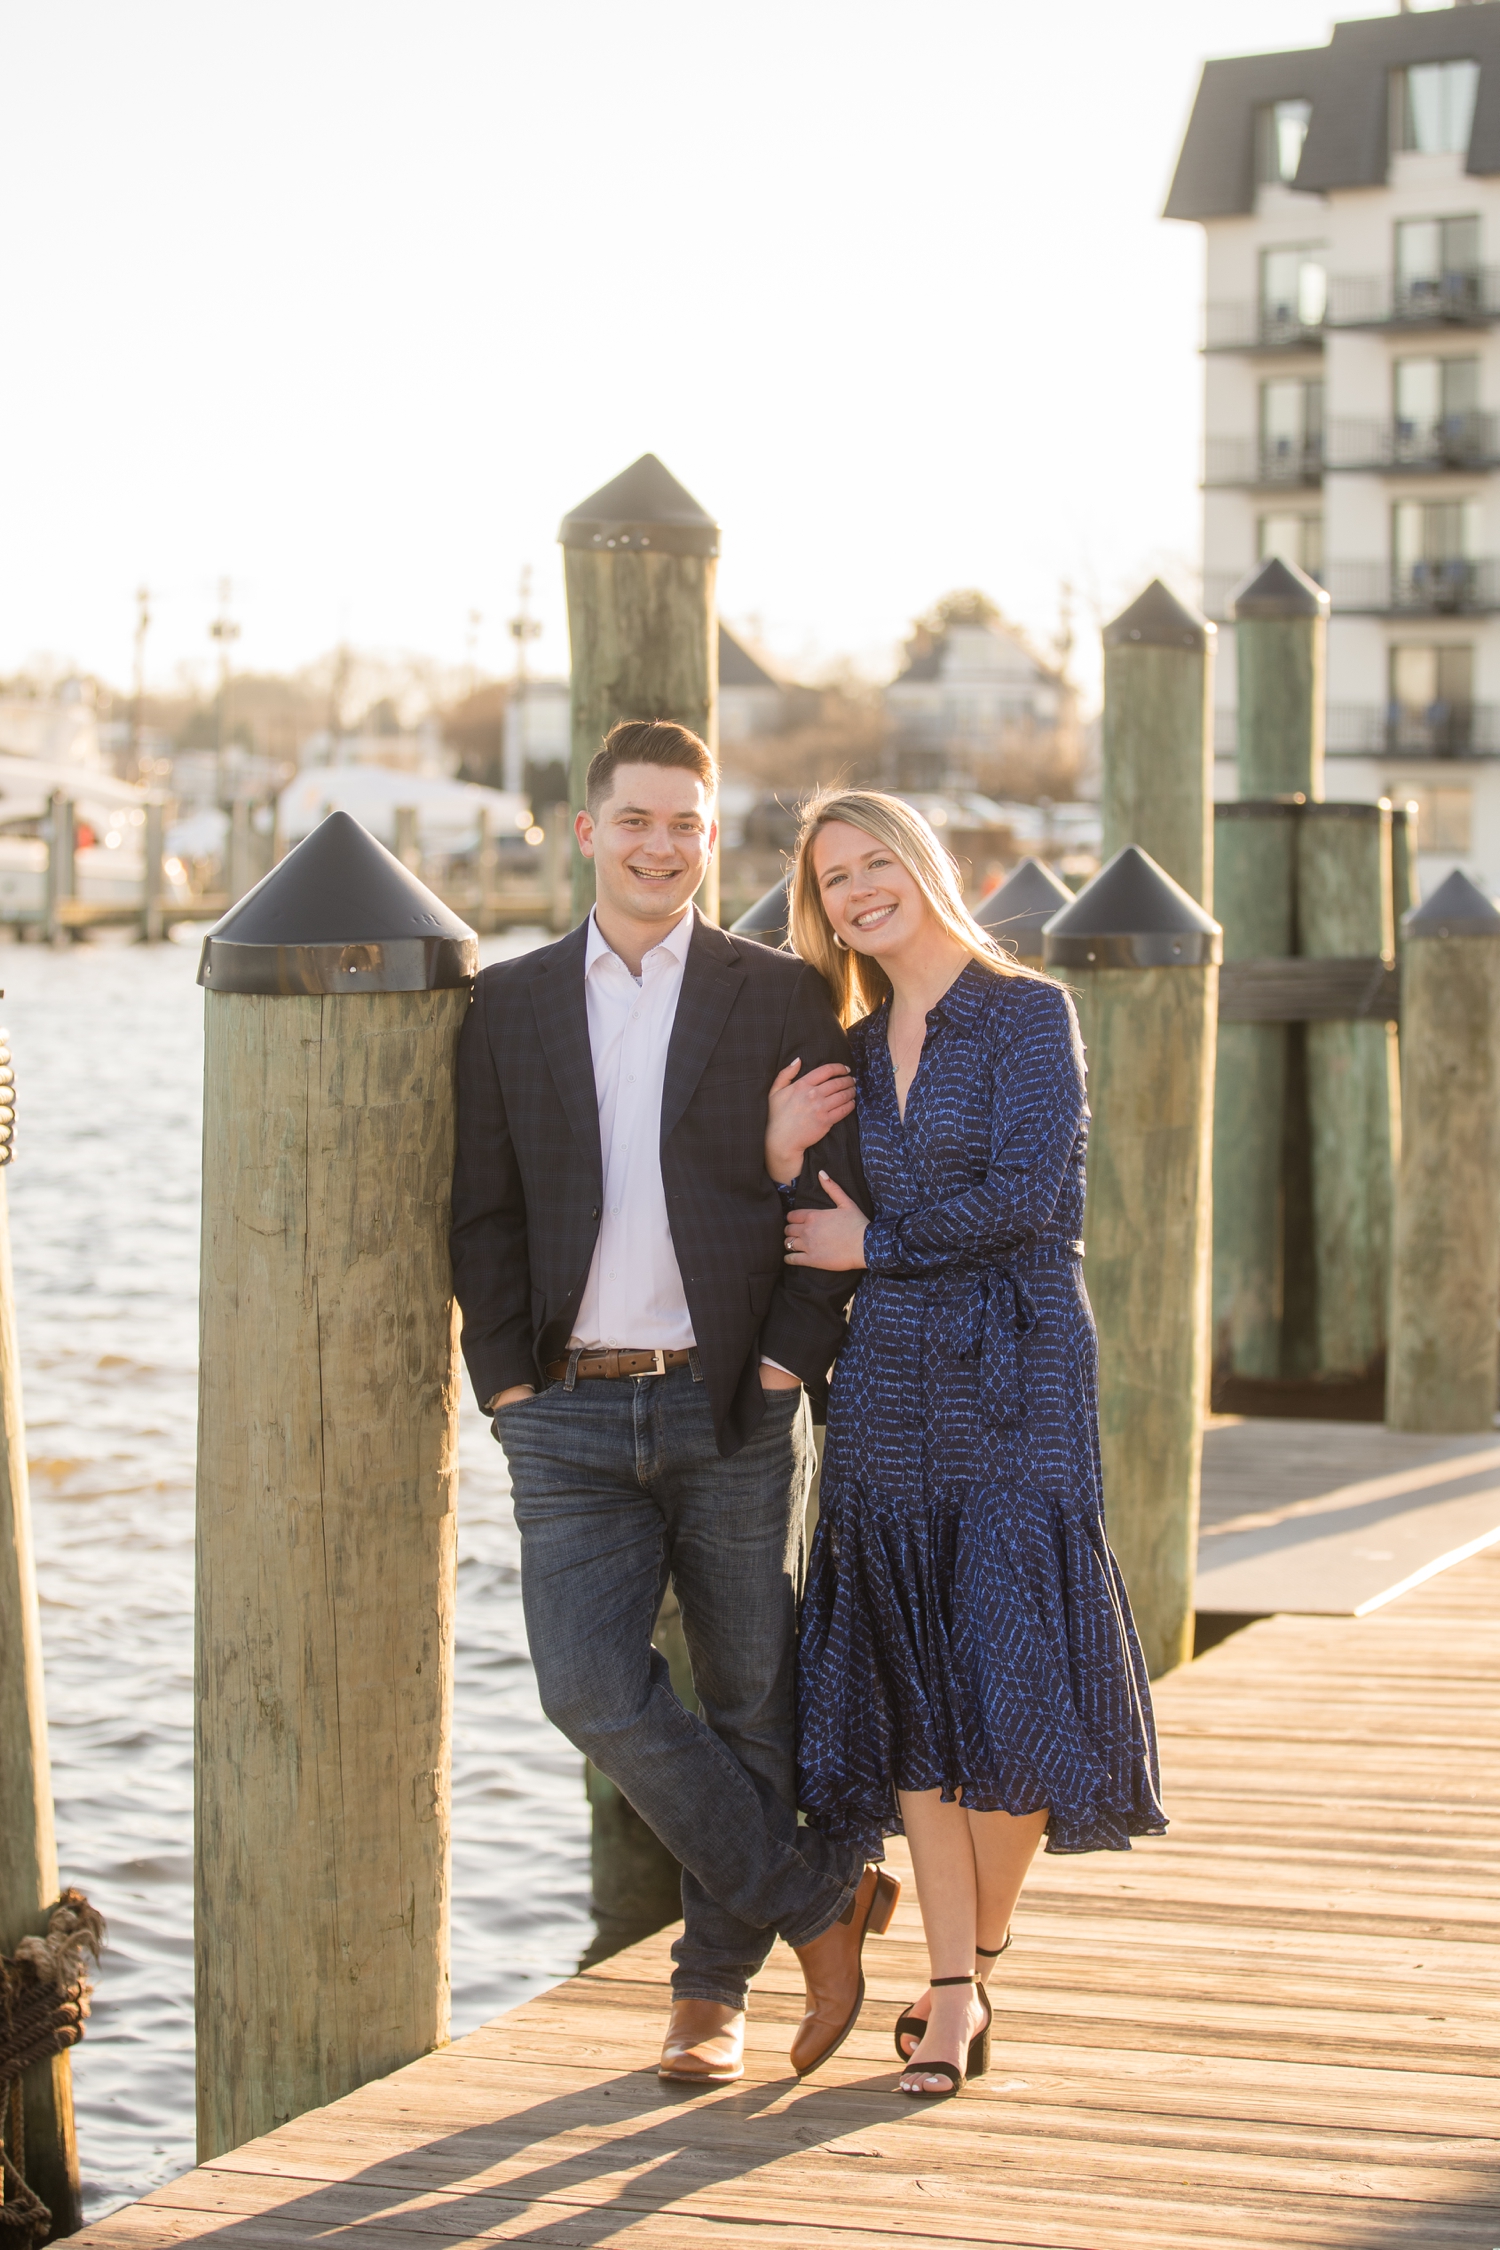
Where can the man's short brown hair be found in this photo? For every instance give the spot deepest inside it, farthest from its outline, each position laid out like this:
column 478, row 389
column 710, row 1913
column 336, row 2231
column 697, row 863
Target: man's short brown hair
column 647, row 742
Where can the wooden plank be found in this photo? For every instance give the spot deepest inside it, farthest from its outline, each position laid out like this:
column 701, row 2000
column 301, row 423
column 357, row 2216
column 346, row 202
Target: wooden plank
column 1358, row 988
column 1275, row 2026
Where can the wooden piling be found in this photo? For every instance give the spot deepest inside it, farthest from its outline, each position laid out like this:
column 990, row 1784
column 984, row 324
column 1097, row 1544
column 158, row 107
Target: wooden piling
column 239, row 873
column 62, row 879
column 1020, row 909
column 1445, row 1281
column 327, row 1465
column 1141, row 957
column 486, row 871
column 1281, row 659
column 154, row 883
column 767, row 921
column 1255, row 893
column 408, row 843
column 1403, row 867
column 1158, row 738
column 28, row 1842
column 1353, row 1097
column 640, row 558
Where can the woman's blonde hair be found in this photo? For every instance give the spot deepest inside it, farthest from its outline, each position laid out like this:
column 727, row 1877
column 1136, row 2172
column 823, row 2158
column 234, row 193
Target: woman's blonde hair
column 858, row 983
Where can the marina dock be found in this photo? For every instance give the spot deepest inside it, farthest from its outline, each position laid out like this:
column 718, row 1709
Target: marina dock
column 1274, row 2027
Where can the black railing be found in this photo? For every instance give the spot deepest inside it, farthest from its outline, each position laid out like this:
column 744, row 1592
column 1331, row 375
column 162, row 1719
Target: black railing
column 1259, row 328
column 1442, row 730
column 1466, row 296
column 1454, row 441
column 1263, row 462
column 1445, row 586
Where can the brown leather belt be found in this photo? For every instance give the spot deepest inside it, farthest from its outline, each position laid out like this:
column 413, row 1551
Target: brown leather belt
column 614, row 1363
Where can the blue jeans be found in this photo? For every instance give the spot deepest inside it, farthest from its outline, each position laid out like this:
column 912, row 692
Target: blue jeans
column 619, row 1486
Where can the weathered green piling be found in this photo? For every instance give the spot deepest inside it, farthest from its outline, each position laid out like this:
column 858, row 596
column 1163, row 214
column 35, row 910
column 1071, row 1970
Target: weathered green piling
column 1158, row 738
column 1403, row 867
column 1255, row 863
column 1141, row 958
column 1281, row 659
column 1445, row 1283
column 1353, row 1097
column 1260, row 1128
column 640, row 559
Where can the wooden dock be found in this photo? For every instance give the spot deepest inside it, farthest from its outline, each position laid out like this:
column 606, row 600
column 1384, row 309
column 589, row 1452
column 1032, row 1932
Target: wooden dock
column 1275, row 2026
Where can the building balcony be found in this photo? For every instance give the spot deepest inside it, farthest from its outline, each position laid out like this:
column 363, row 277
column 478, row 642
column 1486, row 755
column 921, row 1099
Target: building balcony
column 1443, row 730
column 1465, row 298
column 1259, row 328
column 1446, row 586
column 1262, row 464
column 1456, row 441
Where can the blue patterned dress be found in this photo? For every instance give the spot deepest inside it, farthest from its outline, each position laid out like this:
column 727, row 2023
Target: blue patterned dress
column 965, row 1623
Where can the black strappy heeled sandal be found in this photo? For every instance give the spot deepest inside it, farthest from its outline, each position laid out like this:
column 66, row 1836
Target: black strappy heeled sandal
column 909, row 2026
column 979, row 2051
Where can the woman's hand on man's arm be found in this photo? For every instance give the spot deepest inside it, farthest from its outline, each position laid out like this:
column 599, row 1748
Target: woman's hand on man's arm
column 801, row 1111
column 833, row 1241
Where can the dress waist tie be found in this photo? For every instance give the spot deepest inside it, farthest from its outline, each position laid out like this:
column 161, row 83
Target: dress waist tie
column 986, row 1325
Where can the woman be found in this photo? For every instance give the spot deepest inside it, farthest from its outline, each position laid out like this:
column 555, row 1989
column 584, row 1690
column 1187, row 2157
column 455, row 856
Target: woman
column 968, row 1669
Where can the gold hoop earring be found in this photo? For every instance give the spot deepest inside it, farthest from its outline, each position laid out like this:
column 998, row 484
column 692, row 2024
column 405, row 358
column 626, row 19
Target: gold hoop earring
column 841, row 943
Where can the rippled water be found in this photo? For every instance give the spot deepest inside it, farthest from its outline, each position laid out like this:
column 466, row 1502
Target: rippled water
column 104, row 1218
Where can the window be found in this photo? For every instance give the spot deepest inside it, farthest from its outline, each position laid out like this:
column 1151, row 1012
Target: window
column 1431, row 709
column 1434, row 391
column 1433, row 566
column 1444, row 816
column 1293, row 292
column 1436, row 412
column 1437, row 265
column 1295, row 538
column 1433, row 531
column 1280, row 130
column 1291, row 430
column 1432, row 107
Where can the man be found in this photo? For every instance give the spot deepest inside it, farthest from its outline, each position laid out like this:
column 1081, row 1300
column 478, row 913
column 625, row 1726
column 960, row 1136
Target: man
column 628, row 1321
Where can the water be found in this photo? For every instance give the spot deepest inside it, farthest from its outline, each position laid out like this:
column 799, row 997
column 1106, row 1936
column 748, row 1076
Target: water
column 104, row 1218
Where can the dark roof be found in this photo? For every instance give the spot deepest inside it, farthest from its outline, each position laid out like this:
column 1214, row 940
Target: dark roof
column 1347, row 83
column 925, row 663
column 737, row 667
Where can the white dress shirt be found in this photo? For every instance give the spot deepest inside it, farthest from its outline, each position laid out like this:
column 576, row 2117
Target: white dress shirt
column 634, row 1294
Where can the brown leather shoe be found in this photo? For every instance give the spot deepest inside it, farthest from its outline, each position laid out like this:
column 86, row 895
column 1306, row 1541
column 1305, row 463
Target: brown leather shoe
column 831, row 1967
column 705, row 2043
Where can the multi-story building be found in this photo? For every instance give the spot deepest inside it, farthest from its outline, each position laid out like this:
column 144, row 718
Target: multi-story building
column 1350, row 201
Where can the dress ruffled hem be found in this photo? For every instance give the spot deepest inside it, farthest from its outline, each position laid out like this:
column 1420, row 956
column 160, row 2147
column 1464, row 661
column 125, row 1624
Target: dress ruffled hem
column 979, row 1642
column 1097, row 1828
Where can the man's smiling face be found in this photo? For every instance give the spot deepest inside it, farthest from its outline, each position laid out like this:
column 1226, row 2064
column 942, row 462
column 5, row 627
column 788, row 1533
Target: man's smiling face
column 650, row 841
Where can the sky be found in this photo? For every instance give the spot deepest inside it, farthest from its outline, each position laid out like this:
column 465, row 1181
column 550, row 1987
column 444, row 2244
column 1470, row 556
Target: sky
column 349, row 302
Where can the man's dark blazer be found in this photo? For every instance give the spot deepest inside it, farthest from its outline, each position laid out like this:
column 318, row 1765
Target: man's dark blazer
column 528, row 1184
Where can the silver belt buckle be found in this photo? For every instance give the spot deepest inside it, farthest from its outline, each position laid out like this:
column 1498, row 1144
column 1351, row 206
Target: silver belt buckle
column 661, row 1360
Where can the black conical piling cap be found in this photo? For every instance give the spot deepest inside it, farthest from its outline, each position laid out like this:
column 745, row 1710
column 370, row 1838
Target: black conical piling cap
column 768, row 918
column 340, row 914
column 645, row 507
column 1157, row 619
column 1279, row 589
column 1132, row 916
column 1457, row 908
column 1028, row 898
